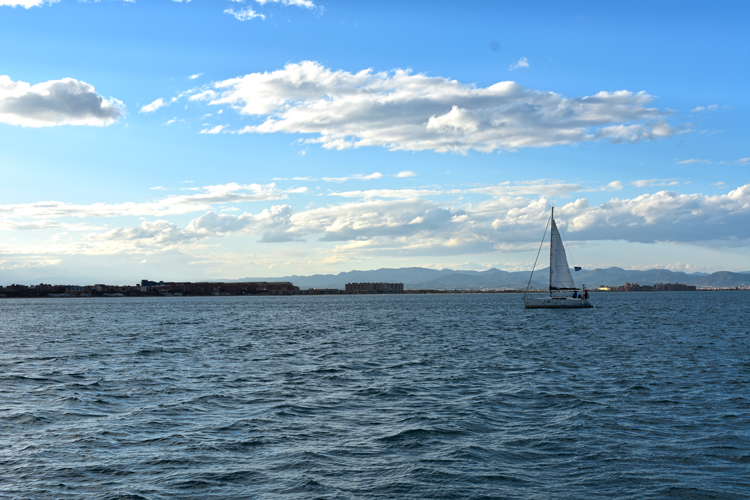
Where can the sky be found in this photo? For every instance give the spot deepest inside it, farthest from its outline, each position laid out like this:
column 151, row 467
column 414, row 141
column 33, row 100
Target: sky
column 222, row 139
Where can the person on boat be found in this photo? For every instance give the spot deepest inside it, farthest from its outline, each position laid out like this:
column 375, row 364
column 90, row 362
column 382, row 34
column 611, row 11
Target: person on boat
column 586, row 294
column 575, row 294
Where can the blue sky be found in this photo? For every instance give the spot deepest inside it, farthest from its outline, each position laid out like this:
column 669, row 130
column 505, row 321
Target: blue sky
column 223, row 139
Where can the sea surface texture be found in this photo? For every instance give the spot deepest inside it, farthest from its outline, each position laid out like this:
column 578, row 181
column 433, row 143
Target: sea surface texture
column 435, row 396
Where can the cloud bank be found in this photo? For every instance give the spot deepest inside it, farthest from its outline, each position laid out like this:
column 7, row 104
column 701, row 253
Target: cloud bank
column 56, row 102
column 414, row 112
column 502, row 217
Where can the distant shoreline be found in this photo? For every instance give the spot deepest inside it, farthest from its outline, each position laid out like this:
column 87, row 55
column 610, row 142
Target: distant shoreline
column 332, row 292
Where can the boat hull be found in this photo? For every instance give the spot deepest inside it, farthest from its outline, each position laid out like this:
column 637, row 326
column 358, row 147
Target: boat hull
column 556, row 303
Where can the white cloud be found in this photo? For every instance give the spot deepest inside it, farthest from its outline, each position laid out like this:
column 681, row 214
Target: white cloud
column 25, row 3
column 387, row 193
column 158, row 233
column 360, row 177
column 55, row 102
column 543, row 187
column 150, row 108
column 11, row 225
column 665, row 216
column 171, row 205
column 712, row 107
column 655, row 182
column 521, row 63
column 274, row 224
column 403, row 111
column 214, row 130
column 693, row 160
column 662, row 216
column 244, row 14
column 652, row 130
column 399, row 222
column 197, row 75
column 406, row 173
column 299, row 3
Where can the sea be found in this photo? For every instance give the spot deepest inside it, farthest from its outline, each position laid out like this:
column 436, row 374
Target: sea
column 442, row 396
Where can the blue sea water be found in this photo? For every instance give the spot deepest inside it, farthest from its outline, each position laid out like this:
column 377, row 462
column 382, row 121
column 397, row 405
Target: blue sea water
column 434, row 396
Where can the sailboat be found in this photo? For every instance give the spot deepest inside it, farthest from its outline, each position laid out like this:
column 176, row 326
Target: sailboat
column 560, row 280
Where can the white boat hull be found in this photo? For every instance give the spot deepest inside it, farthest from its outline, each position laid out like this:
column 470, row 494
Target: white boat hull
column 555, row 302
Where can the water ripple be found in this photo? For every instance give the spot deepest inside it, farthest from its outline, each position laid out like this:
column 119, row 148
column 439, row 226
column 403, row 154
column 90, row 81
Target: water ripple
column 445, row 396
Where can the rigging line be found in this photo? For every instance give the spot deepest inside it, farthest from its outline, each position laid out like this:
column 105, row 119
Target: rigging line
column 537, row 256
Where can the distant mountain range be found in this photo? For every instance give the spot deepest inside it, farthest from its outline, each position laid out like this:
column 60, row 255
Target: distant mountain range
column 419, row 278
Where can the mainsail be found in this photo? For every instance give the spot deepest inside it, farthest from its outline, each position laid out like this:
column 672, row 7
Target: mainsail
column 559, row 272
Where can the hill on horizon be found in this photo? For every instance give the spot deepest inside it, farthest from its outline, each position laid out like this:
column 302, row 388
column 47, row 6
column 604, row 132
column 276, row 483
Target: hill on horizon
column 420, row 278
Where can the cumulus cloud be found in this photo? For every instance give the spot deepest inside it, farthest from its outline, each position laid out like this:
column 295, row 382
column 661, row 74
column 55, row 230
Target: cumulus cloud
column 712, row 107
column 274, row 224
column 55, row 102
column 521, row 63
column 665, row 216
column 244, row 14
column 387, row 193
column 404, row 111
column 150, row 108
column 11, row 225
column 655, row 182
column 361, row 177
column 158, row 233
column 367, row 219
column 213, row 130
column 544, row 187
column 406, row 173
column 652, row 130
column 25, row 3
column 507, row 216
column 512, row 213
column 299, row 3
column 416, row 222
column 693, row 160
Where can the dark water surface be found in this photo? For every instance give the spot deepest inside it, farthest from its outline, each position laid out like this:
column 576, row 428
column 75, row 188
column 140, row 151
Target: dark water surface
column 442, row 396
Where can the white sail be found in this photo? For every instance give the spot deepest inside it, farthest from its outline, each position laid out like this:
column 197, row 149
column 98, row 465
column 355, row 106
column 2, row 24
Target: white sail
column 559, row 272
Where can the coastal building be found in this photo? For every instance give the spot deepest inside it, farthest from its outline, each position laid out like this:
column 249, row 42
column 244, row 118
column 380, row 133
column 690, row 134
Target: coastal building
column 210, row 288
column 374, row 288
column 635, row 287
column 674, row 287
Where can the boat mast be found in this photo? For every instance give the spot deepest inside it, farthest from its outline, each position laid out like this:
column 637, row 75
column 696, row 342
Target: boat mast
column 552, row 220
